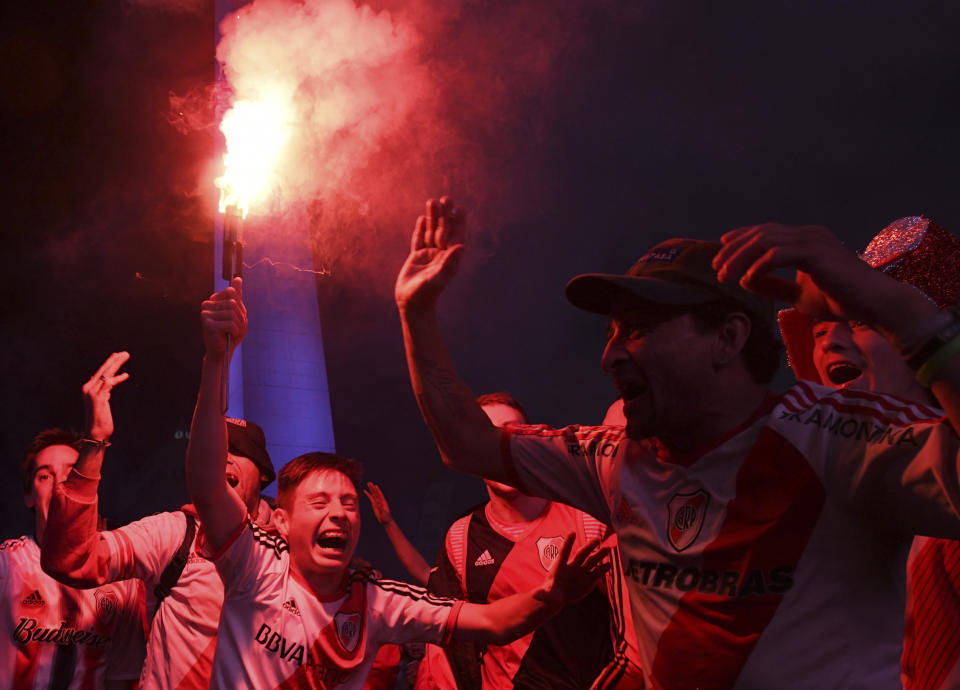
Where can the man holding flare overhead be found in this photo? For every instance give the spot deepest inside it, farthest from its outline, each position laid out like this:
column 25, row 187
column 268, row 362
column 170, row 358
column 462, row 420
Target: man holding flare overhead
column 295, row 614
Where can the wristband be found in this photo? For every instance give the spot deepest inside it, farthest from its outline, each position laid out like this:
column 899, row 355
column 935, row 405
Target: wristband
column 101, row 445
column 918, row 358
column 937, row 361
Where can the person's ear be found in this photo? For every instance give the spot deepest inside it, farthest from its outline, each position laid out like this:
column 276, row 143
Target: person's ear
column 281, row 520
column 732, row 336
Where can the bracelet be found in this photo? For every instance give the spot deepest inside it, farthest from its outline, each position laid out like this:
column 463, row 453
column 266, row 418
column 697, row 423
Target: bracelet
column 101, row 445
column 937, row 361
column 920, row 356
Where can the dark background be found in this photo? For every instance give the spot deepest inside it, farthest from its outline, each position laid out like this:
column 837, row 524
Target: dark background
column 654, row 119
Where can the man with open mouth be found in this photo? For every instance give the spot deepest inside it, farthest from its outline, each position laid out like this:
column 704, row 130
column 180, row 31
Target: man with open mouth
column 763, row 537
column 295, row 614
column 920, row 253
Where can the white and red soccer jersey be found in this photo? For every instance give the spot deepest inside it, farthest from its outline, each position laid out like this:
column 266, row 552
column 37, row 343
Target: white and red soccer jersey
column 60, row 637
column 183, row 632
column 931, row 632
column 184, row 629
column 275, row 632
column 776, row 557
column 493, row 560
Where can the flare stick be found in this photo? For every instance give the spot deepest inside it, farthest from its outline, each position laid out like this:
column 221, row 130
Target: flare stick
column 232, row 268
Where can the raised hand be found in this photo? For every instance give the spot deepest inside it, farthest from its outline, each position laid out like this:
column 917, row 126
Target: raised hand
column 831, row 280
column 96, row 396
column 381, row 509
column 572, row 577
column 222, row 314
column 435, row 251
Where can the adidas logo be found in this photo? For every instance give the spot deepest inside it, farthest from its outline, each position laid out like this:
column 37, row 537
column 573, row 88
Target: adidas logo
column 291, row 606
column 34, row 599
column 484, row 558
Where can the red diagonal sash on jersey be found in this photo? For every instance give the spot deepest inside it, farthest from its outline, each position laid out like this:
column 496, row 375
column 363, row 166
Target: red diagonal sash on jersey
column 339, row 648
column 768, row 524
column 198, row 677
column 934, row 647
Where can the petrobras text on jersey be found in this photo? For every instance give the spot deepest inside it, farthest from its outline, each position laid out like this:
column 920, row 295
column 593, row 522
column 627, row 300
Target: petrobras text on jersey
column 731, row 583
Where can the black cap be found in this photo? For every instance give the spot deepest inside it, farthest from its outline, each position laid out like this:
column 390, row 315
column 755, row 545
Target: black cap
column 246, row 439
column 678, row 271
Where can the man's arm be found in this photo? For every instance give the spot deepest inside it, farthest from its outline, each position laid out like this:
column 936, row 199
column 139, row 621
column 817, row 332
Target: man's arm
column 72, row 550
column 415, row 564
column 221, row 511
column 504, row 620
column 832, row 280
column 467, row 440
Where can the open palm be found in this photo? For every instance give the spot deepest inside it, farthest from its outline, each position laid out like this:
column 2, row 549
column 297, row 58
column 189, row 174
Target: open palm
column 435, row 251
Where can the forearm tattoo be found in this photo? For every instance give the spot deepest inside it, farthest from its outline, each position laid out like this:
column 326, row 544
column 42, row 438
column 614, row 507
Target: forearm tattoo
column 448, row 387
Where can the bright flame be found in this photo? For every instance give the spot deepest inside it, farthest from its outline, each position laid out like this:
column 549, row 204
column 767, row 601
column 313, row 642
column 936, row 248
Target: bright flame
column 255, row 133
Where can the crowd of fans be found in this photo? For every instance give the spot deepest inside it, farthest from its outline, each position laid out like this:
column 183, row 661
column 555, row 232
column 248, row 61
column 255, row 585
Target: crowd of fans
column 709, row 534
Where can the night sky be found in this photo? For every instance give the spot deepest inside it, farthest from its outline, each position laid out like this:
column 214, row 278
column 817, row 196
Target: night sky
column 640, row 121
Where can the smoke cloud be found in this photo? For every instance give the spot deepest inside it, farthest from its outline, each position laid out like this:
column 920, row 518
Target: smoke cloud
column 388, row 105
column 346, row 77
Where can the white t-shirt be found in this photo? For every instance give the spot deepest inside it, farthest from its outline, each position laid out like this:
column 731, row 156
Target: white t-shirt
column 54, row 633
column 276, row 632
column 774, row 558
column 184, row 628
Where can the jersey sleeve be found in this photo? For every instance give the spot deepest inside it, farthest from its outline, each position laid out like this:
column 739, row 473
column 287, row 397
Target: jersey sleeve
column 78, row 555
column 576, row 465
column 143, row 548
column 249, row 558
column 891, row 460
column 408, row 613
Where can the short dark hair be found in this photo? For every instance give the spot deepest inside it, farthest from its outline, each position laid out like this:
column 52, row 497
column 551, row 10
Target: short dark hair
column 503, row 398
column 45, row 439
column 298, row 469
column 763, row 351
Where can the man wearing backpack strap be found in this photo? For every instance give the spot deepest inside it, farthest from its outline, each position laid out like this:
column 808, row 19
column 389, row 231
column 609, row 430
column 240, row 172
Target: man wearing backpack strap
column 184, row 593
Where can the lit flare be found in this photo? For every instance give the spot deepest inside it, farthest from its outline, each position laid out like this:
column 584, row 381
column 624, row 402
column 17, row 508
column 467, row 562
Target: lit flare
column 255, row 133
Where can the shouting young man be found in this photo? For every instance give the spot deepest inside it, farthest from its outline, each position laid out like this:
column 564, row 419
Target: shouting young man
column 295, row 615
column 852, row 355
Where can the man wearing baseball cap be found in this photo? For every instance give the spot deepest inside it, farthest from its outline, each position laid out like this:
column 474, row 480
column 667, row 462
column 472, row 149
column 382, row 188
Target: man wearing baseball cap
column 764, row 537
column 184, row 592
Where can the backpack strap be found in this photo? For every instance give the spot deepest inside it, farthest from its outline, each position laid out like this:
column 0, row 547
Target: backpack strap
column 170, row 574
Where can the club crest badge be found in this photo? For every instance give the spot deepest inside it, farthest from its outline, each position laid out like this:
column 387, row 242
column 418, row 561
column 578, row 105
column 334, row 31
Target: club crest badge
column 548, row 548
column 685, row 518
column 348, row 629
column 107, row 604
